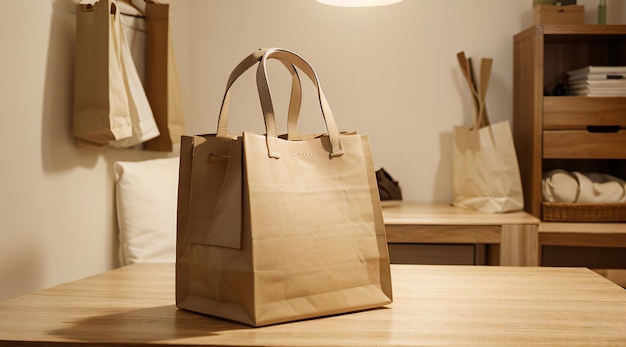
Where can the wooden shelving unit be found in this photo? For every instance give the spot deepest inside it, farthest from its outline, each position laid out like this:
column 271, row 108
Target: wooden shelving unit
column 566, row 132
column 573, row 133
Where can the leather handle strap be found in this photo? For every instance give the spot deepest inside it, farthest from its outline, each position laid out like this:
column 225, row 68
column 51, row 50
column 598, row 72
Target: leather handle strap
column 485, row 75
column 465, row 66
column 268, row 108
column 479, row 93
column 295, row 101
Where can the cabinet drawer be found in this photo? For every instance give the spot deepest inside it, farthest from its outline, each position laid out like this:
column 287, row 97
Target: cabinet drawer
column 582, row 144
column 578, row 112
column 434, row 254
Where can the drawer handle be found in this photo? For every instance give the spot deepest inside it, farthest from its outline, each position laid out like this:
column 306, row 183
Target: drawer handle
column 603, row 128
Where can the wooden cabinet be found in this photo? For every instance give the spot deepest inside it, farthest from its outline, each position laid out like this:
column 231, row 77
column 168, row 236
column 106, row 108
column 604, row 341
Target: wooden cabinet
column 573, row 133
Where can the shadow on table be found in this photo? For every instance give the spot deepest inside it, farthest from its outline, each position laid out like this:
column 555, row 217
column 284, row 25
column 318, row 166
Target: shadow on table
column 146, row 325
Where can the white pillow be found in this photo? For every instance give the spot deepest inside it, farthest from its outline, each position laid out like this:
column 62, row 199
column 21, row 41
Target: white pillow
column 146, row 210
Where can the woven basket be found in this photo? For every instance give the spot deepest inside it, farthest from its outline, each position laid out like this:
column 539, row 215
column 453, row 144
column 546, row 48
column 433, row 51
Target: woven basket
column 567, row 212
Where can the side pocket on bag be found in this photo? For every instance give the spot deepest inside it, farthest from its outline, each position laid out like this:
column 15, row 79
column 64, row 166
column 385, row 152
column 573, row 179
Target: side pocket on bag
column 215, row 199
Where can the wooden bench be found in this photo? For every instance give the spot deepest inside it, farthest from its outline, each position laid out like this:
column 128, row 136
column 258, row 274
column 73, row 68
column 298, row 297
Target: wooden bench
column 443, row 234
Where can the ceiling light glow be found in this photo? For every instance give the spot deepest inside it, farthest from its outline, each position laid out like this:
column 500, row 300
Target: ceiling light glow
column 358, row 3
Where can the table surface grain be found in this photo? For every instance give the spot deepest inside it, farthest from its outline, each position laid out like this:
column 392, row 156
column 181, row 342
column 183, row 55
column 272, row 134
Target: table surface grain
column 433, row 305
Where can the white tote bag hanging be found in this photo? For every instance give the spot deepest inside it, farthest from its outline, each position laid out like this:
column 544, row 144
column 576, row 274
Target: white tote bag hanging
column 142, row 119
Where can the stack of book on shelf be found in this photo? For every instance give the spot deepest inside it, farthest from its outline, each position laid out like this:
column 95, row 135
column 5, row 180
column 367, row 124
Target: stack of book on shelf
column 597, row 81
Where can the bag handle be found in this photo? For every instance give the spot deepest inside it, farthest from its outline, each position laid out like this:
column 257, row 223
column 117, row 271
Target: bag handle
column 479, row 93
column 268, row 108
column 485, row 74
column 466, row 67
column 295, row 101
column 88, row 7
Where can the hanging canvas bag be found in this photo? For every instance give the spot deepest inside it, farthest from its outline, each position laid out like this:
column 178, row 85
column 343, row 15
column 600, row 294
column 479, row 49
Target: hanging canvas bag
column 133, row 21
column 162, row 82
column 142, row 119
column 272, row 230
column 101, row 107
column 485, row 170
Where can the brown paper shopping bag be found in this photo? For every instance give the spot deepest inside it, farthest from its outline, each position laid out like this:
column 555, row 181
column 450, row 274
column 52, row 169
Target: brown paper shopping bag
column 486, row 174
column 162, row 82
column 101, row 107
column 272, row 230
column 110, row 104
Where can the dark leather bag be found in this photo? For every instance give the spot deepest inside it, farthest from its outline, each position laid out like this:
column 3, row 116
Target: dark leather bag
column 388, row 188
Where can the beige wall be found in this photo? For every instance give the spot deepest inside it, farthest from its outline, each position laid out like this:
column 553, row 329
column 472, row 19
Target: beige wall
column 390, row 72
column 56, row 201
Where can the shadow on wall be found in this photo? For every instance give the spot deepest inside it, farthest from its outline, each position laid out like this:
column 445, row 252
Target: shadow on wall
column 443, row 178
column 58, row 150
column 526, row 19
column 26, row 268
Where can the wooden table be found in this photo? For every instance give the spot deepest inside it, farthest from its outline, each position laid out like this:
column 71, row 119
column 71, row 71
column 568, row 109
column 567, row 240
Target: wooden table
column 434, row 305
column 427, row 223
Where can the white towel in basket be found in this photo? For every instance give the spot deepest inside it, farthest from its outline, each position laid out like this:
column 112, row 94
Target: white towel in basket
column 588, row 188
